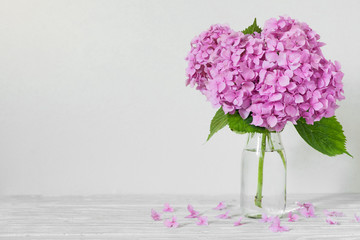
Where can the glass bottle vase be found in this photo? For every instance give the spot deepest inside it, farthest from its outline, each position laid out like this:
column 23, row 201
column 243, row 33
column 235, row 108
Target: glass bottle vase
column 263, row 176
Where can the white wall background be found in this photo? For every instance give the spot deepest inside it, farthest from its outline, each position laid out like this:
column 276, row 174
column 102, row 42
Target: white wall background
column 93, row 98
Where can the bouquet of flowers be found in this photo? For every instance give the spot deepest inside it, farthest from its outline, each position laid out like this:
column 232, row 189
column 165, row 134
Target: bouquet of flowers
column 262, row 79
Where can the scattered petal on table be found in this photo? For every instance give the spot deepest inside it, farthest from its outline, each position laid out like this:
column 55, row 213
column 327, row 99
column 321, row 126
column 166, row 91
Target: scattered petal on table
column 293, row 217
column 223, row 216
column 357, row 218
column 275, row 226
column 193, row 213
column 307, row 211
column 238, row 222
column 167, row 208
column 202, row 220
column 305, row 205
column 171, row 223
column 190, row 208
column 333, row 213
column 330, row 221
column 156, row 216
column 220, row 206
column 265, row 218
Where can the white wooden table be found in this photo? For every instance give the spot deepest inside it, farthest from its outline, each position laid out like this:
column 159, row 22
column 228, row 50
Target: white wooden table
column 128, row 217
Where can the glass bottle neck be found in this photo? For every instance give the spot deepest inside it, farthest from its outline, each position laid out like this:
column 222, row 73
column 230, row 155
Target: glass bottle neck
column 272, row 140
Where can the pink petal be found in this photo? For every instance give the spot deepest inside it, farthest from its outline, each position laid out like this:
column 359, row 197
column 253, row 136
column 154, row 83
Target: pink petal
column 330, row 221
column 202, row 221
column 221, row 86
column 275, row 97
column 357, row 218
column 289, row 73
column 265, row 65
column 265, row 218
column 190, row 208
column 271, row 24
column 333, row 214
column 238, row 222
column 317, row 106
column 249, row 86
column 266, row 109
column 275, row 226
column 293, row 217
column 305, row 205
column 337, row 66
column 193, row 215
column 272, row 121
column 271, row 56
column 223, row 216
column 276, row 220
column 248, row 74
column 307, row 212
column 280, row 46
column 282, row 59
column 220, row 206
column 270, row 79
column 171, row 223
column 283, row 229
column 155, row 215
column 278, row 106
column 168, row 223
column 257, row 120
column 291, row 111
column 244, row 113
column 299, row 98
column 227, row 108
column 278, row 228
column 167, row 208
column 284, row 81
column 291, row 86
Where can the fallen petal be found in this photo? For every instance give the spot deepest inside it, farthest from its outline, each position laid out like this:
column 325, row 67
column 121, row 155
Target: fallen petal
column 220, row 206
column 223, row 216
column 293, row 217
column 193, row 213
column 202, row 221
column 307, row 212
column 238, row 222
column 265, row 218
column 167, row 208
column 357, row 218
column 171, row 223
column 331, row 222
column 333, row 213
column 275, row 226
column 156, row 216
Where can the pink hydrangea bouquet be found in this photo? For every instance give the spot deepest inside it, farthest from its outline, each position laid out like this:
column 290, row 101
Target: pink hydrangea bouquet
column 262, row 79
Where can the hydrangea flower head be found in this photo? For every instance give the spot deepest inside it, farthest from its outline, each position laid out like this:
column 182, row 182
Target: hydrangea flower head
column 277, row 76
column 295, row 80
column 221, row 65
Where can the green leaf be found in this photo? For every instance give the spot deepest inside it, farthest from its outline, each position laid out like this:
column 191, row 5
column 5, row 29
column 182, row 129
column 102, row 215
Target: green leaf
column 252, row 28
column 326, row 135
column 239, row 125
column 218, row 122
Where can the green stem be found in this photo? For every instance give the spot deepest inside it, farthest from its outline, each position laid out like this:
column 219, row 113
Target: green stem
column 279, row 152
column 282, row 157
column 258, row 197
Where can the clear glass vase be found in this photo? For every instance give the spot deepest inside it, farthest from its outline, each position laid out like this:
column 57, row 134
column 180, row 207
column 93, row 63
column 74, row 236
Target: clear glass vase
column 263, row 176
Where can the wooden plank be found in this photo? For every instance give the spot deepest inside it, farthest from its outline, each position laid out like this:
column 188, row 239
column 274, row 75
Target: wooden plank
column 128, row 217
